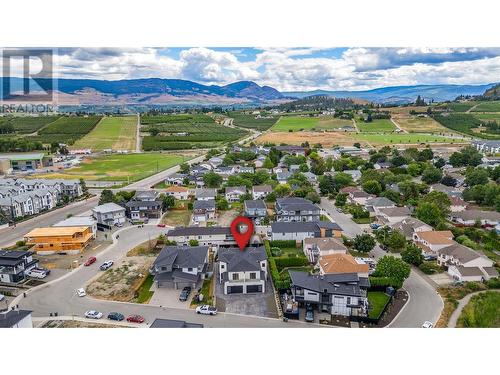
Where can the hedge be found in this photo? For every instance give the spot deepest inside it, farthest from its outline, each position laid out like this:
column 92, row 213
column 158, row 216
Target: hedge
column 383, row 282
column 290, row 262
column 283, row 244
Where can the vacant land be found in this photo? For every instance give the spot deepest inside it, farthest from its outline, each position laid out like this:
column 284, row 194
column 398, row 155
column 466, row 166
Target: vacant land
column 376, row 126
column 117, row 133
column 186, row 131
column 66, row 129
column 123, row 167
column 247, row 120
column 493, row 106
column 177, row 218
column 296, row 123
column 415, row 124
column 482, row 311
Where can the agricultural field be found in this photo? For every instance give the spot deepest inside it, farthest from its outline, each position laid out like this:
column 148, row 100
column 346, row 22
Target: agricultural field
column 120, row 167
column 488, row 116
column 246, row 120
column 296, row 123
column 186, row 131
column 116, row 133
column 414, row 138
column 465, row 123
column 28, row 124
column 492, row 106
column 415, row 124
column 376, row 126
column 66, row 129
column 458, row 106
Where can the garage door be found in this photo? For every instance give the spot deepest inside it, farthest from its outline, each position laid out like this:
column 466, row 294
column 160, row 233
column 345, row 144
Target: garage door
column 254, row 289
column 235, row 289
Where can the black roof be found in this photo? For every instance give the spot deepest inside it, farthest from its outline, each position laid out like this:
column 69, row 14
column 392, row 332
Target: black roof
column 258, row 203
column 347, row 284
column 171, row 323
column 199, row 231
column 12, row 317
column 181, row 256
column 148, row 204
column 246, row 260
column 294, row 227
column 295, row 204
column 209, row 204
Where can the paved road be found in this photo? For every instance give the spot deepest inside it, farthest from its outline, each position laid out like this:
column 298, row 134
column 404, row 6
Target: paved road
column 424, row 304
column 9, row 236
column 60, row 296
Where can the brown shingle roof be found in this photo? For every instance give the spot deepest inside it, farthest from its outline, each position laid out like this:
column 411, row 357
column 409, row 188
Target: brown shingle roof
column 436, row 237
column 341, row 263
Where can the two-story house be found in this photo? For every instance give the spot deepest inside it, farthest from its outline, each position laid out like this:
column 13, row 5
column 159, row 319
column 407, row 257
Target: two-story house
column 143, row 210
column 243, row 271
column 431, row 241
column 203, row 194
column 15, row 264
column 409, row 226
column 315, row 247
column 203, row 210
column 178, row 192
column 261, row 191
column 178, row 266
column 109, row 214
column 206, row 236
column 234, row 193
column 299, row 231
column 296, row 209
column 255, row 210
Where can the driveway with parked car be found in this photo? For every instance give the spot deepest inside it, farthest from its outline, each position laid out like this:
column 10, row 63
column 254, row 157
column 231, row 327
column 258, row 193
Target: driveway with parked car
column 169, row 297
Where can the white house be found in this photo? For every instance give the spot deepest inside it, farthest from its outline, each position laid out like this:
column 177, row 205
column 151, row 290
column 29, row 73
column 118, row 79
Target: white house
column 463, row 263
column 16, row 319
column 109, row 214
column 431, row 241
column 469, row 217
column 178, row 192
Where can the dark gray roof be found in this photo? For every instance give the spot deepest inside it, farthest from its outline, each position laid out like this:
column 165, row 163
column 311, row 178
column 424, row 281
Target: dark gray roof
column 460, row 252
column 295, row 204
column 254, row 204
column 328, row 225
column 470, row 271
column 246, row 260
column 262, row 188
column 148, row 194
column 181, row 256
column 199, row 205
column 12, row 317
column 171, row 323
column 380, row 202
column 231, row 189
column 343, row 284
column 294, row 227
column 198, row 231
column 205, row 193
column 148, row 204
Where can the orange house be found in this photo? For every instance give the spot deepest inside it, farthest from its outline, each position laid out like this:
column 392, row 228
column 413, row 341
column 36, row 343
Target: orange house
column 71, row 240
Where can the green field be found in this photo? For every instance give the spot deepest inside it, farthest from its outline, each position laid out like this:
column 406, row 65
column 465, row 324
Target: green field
column 117, row 133
column 413, row 138
column 66, row 129
column 488, row 116
column 377, row 302
column 458, row 106
column 296, row 123
column 120, row 167
column 493, row 106
column 28, row 124
column 246, row 120
column 464, row 123
column 482, row 311
column 376, row 126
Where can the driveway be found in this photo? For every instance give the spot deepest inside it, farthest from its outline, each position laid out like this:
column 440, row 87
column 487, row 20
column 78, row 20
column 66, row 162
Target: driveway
column 168, row 297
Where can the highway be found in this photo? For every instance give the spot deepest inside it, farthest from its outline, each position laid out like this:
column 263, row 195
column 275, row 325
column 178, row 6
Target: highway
column 424, row 303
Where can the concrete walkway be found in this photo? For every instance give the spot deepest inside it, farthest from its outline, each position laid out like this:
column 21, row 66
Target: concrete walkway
column 461, row 304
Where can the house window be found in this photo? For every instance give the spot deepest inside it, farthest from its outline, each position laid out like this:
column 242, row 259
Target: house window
column 190, row 269
column 253, row 275
column 236, row 276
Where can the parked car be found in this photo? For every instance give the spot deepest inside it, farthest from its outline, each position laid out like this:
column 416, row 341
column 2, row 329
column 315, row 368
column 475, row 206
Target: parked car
column 115, row 316
column 135, row 319
column 374, row 226
column 206, row 310
column 119, row 225
column 81, row 292
column 93, row 314
column 2, row 297
column 186, row 291
column 90, row 261
column 37, row 273
column 309, row 316
column 430, row 257
column 427, row 324
column 161, row 225
column 107, row 264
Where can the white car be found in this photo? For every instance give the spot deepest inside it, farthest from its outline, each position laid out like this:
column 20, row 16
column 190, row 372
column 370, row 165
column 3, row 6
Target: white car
column 2, row 297
column 206, row 310
column 92, row 314
column 81, row 292
column 106, row 265
column 427, row 324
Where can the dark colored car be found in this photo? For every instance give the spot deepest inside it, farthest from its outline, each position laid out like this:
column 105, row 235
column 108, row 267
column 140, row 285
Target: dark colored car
column 115, row 316
column 309, row 307
column 309, row 316
column 186, row 291
column 135, row 319
column 90, row 261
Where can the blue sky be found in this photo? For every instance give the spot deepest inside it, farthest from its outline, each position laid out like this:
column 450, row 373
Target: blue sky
column 288, row 69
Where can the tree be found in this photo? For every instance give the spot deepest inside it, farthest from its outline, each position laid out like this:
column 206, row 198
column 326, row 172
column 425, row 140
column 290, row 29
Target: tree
column 107, row 196
column 394, row 268
column 154, row 131
column 341, row 199
column 303, row 168
column 477, row 176
column 193, row 243
column 432, row 175
column 212, row 180
column 419, row 102
column 414, row 169
column 425, row 154
column 449, row 181
column 364, row 243
column 467, row 156
column 440, row 163
column 398, row 161
column 440, row 199
column 85, row 190
column 167, row 202
column 222, row 204
column 313, row 197
column 412, row 255
column 429, row 213
column 342, row 180
column 282, row 190
column 396, row 241
column 372, row 187
column 326, row 185
column 184, row 168
column 357, row 145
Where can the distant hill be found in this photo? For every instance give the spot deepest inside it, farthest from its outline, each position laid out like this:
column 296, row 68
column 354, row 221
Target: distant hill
column 493, row 93
column 401, row 94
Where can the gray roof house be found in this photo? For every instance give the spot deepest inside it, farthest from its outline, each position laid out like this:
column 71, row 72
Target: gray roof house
column 233, row 193
column 203, row 210
column 296, row 209
column 109, row 214
column 299, row 231
column 180, row 266
column 146, row 195
column 243, row 271
column 261, row 191
column 255, row 209
column 205, row 194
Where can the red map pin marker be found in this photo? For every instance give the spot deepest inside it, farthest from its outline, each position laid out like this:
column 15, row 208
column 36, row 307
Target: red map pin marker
column 242, row 230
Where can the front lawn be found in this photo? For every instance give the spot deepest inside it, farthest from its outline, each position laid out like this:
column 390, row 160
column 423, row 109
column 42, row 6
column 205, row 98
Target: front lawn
column 377, row 302
column 207, row 291
column 144, row 294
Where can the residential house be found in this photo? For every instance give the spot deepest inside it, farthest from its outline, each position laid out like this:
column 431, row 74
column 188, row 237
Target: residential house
column 296, row 209
column 457, row 204
column 16, row 319
column 205, row 194
column 431, row 241
column 109, row 214
column 450, row 190
column 282, row 177
column 15, row 265
column 374, row 205
column 244, row 169
column 342, row 263
column 144, row 210
column 292, row 150
column 470, row 217
column 382, row 165
column 317, row 247
column 177, row 266
column 338, row 294
column 255, row 209
column 146, row 196
column 79, row 221
column 49, row 240
column 299, row 231
column 243, row 271
column 206, row 236
column 261, row 191
column 311, row 177
column 393, row 215
column 178, row 192
column 487, row 147
column 354, row 173
column 203, row 210
column 410, row 225
column 215, row 161
column 464, row 263
column 175, row 179
column 359, row 197
column 234, row 193
column 458, row 177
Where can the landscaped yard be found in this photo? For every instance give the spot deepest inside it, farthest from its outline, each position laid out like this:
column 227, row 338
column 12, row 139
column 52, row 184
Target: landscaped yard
column 482, row 311
column 377, row 302
column 117, row 133
column 296, row 123
column 143, row 293
column 120, row 167
column 177, row 218
column 376, row 126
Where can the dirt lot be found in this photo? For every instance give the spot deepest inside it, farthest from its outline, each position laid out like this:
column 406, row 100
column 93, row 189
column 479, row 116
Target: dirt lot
column 226, row 217
column 329, row 139
column 77, row 324
column 56, row 261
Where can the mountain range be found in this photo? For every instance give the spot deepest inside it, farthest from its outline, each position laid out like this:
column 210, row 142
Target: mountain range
column 183, row 92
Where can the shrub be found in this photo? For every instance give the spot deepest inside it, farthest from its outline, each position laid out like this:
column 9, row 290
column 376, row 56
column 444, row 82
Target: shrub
column 493, row 283
column 283, row 244
column 20, row 243
column 428, row 268
column 383, row 282
column 275, row 251
column 290, row 262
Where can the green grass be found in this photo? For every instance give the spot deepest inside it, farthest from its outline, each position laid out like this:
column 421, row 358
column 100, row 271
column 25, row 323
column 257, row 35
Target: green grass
column 488, row 116
column 377, row 302
column 413, row 138
column 459, row 106
column 464, row 123
column 296, row 123
column 26, row 125
column 67, row 129
column 144, row 294
column 120, row 167
column 376, row 126
column 247, row 120
column 177, row 218
column 117, row 133
column 492, row 106
column 482, row 311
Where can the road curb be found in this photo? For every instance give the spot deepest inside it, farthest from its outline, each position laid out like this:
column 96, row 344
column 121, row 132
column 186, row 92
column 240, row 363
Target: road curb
column 400, row 311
